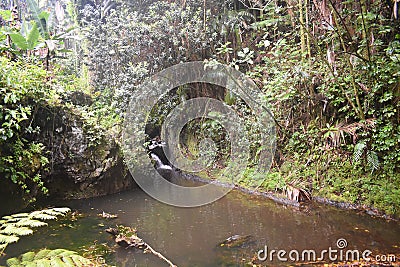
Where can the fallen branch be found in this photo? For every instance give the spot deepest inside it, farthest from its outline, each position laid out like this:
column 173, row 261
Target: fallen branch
column 126, row 237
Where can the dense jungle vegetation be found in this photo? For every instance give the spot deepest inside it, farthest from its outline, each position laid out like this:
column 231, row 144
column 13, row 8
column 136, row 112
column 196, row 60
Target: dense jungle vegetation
column 329, row 70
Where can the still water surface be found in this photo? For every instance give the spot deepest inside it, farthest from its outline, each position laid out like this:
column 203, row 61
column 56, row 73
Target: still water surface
column 190, row 236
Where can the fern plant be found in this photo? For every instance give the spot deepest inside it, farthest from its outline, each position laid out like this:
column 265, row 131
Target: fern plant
column 372, row 158
column 56, row 257
column 14, row 226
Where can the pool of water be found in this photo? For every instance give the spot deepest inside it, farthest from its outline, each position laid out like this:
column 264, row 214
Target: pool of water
column 190, row 236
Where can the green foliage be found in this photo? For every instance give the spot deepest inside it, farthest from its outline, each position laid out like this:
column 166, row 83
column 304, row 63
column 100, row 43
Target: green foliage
column 371, row 156
column 40, row 17
column 14, row 226
column 38, row 39
column 333, row 85
column 127, row 46
column 23, row 89
column 28, row 38
column 56, row 257
column 358, row 151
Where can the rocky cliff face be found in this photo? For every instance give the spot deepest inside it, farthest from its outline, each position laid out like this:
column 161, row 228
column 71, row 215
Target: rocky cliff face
column 84, row 162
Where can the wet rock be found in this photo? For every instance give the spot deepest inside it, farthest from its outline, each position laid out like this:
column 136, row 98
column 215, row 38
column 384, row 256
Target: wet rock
column 85, row 161
column 236, row 241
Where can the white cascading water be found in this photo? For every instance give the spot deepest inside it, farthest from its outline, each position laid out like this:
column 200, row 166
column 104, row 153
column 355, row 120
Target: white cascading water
column 159, row 163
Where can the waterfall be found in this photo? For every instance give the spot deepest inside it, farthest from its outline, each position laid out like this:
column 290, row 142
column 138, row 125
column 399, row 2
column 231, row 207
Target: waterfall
column 159, row 163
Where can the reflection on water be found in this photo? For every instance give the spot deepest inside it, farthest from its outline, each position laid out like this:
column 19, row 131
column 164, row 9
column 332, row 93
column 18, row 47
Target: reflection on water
column 189, row 236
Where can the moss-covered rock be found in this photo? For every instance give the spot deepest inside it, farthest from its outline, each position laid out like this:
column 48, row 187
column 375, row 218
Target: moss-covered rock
column 85, row 158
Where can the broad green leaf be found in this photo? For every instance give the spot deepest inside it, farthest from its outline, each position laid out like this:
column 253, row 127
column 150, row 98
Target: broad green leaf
column 19, row 40
column 33, row 37
column 39, row 16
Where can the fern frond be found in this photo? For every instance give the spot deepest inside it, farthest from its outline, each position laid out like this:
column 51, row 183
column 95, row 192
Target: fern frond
column 67, row 253
column 56, row 261
column 359, row 151
column 42, row 254
column 17, row 231
column 8, row 239
column 52, row 212
column 11, row 219
column 3, row 247
column 20, row 215
column 62, row 210
column 80, row 261
column 57, row 252
column 57, row 257
column 29, row 256
column 247, row 15
column 43, row 216
column 373, row 160
column 31, row 223
column 68, row 261
column 20, row 224
column 13, row 262
column 43, row 263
